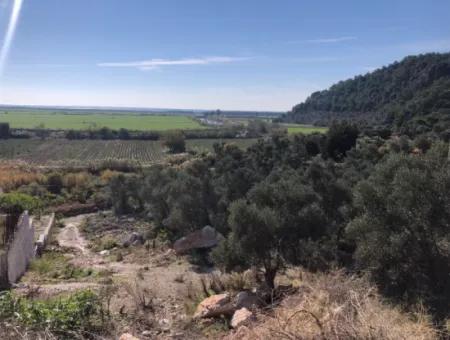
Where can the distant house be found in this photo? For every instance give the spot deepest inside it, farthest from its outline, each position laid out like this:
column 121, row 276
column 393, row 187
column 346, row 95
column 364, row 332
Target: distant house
column 211, row 122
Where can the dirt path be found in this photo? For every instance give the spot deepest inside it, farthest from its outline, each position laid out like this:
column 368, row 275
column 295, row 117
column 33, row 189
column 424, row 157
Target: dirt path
column 70, row 236
column 157, row 274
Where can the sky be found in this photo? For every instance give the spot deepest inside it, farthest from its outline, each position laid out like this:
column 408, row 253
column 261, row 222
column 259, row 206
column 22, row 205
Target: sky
column 205, row 54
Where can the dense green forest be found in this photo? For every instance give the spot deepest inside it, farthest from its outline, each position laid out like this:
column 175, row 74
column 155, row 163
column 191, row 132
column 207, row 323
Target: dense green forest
column 412, row 96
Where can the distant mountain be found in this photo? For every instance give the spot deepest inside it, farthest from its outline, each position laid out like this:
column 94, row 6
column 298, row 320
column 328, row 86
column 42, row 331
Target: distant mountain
column 415, row 91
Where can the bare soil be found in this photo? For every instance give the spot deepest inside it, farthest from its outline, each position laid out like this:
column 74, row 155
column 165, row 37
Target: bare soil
column 155, row 275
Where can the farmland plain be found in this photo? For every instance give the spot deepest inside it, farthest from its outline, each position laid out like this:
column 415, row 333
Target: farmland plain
column 79, row 121
column 79, row 152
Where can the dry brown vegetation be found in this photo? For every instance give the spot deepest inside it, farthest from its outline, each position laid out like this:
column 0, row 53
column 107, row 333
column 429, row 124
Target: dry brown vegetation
column 12, row 177
column 337, row 306
column 76, row 180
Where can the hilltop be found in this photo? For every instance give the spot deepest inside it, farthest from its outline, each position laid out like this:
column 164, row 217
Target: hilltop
column 414, row 93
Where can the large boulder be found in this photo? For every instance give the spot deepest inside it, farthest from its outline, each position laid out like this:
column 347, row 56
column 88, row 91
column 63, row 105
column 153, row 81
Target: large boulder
column 215, row 306
column 242, row 317
column 207, row 237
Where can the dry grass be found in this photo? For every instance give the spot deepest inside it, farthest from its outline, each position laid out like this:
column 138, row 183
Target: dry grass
column 76, row 180
column 141, row 296
column 336, row 306
column 217, row 283
column 107, row 175
column 13, row 177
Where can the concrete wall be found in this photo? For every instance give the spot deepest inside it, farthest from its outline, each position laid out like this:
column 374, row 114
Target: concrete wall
column 21, row 249
column 43, row 237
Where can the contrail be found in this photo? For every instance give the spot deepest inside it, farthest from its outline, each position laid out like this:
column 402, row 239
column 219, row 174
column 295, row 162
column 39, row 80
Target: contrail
column 10, row 33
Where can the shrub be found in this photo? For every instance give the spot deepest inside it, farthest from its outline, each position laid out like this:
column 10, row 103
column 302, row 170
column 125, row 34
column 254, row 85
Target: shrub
column 76, row 180
column 175, row 141
column 16, row 203
column 52, row 266
column 12, row 178
column 76, row 313
column 55, row 183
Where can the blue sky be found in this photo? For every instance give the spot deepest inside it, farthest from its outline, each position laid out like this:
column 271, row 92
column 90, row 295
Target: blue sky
column 206, row 54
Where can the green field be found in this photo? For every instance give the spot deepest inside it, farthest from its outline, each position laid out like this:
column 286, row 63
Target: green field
column 305, row 129
column 66, row 121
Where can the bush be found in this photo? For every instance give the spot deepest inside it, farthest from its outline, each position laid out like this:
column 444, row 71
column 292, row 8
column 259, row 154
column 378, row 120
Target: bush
column 54, row 266
column 55, row 183
column 175, row 142
column 16, row 203
column 76, row 313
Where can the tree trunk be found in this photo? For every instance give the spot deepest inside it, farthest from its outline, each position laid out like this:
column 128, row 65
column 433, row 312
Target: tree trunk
column 269, row 276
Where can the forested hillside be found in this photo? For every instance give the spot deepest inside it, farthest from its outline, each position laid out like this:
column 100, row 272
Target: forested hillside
column 413, row 95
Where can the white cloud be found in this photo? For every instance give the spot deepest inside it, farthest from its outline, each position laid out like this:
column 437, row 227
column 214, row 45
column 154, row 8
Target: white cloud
column 331, row 40
column 152, row 64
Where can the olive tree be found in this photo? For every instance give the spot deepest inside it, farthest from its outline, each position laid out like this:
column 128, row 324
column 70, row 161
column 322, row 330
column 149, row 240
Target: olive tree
column 402, row 228
column 254, row 236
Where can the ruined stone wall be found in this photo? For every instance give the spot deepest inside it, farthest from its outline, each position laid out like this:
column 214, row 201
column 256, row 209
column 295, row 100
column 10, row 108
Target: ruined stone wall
column 21, row 249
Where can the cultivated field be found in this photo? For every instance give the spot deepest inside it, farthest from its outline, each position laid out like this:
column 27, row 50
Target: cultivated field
column 305, row 129
column 292, row 128
column 79, row 152
column 67, row 121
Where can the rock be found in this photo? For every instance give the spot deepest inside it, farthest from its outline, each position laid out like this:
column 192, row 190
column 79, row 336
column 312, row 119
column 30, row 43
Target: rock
column 147, row 333
column 132, row 239
column 214, row 306
column 164, row 322
column 128, row 336
column 104, row 252
column 242, row 317
column 248, row 300
column 208, row 237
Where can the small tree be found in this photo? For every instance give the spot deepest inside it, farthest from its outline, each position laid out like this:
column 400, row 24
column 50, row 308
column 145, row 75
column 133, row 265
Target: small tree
column 254, row 236
column 341, row 137
column 175, row 141
column 124, row 134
